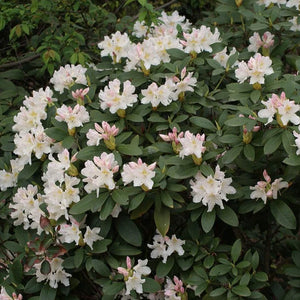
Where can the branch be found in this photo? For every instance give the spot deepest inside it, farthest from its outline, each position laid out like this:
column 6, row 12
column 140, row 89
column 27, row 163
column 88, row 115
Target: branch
column 19, row 62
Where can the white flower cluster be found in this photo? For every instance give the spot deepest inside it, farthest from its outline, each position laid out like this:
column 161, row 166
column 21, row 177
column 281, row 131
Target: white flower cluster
column 256, row 42
column 266, row 189
column 284, row 109
column 159, row 38
column 56, row 273
column 163, row 246
column 256, row 68
column 133, row 275
column 211, row 190
column 112, row 98
column 67, row 76
column 222, row 57
column 297, row 140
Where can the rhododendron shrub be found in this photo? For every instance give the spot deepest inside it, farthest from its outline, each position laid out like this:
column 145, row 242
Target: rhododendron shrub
column 141, row 177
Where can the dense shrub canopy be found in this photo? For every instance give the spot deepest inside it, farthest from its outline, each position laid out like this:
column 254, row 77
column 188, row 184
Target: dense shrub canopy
column 166, row 169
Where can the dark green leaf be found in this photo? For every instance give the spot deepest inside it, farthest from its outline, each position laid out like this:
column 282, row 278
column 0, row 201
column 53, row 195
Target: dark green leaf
column 163, row 269
column 208, row 220
column 129, row 231
column 283, row 214
column 219, row 270
column 228, row 216
column 203, row 123
column 151, row 286
column 236, row 250
column 48, row 293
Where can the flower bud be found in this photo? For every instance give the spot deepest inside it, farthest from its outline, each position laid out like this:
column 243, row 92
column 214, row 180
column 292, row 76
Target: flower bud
column 238, row 2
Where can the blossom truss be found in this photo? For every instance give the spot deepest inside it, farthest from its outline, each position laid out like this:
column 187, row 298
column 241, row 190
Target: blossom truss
column 173, row 137
column 117, row 46
column 185, row 83
column 222, row 57
column 256, row 68
column 56, row 274
column 25, row 208
column 111, row 97
column 174, row 291
column 5, row 296
column 163, row 94
column 139, row 173
column 284, row 109
column 211, row 190
column 133, row 275
column 297, row 140
column 163, row 246
column 99, row 172
column 192, row 145
column 67, row 76
column 74, row 117
column 200, row 40
column 267, row 189
column 256, row 41
column 104, row 132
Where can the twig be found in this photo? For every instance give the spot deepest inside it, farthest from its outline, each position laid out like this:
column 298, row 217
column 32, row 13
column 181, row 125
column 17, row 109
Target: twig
column 19, row 62
column 166, row 4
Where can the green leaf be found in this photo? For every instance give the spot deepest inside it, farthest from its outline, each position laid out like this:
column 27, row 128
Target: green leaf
column 219, row 270
column 29, row 170
column 228, row 216
column 178, row 172
column 101, row 268
column 217, row 292
column 241, row 290
column 292, row 160
column 255, row 260
column 136, row 201
column 89, row 152
column 16, row 272
column 151, row 286
column 166, row 199
column 163, row 269
column 288, row 142
column 283, row 214
column 230, row 139
column 249, row 152
column 32, row 286
column 231, row 154
column 48, row 293
column 208, row 261
column 208, row 220
column 162, row 218
column 128, row 231
column 56, row 133
column 124, row 250
column 132, row 148
column 236, row 250
column 100, row 246
column 120, row 197
column 261, row 276
column 203, row 123
column 272, row 144
column 88, row 202
column 113, row 288
column 78, row 257
column 239, row 121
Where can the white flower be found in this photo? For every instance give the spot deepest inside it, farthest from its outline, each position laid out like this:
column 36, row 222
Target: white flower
column 5, row 296
column 74, row 117
column 192, row 144
column 171, row 21
column 284, row 108
column 222, row 57
column 99, row 172
column 132, row 276
column 91, row 236
column 291, row 3
column 200, row 40
column 256, row 42
column 140, row 29
column 295, row 26
column 69, row 233
column 256, row 68
column 297, row 140
column 67, row 76
column 175, row 245
column 117, row 46
column 164, row 246
column 266, row 189
column 113, row 99
column 156, row 95
column 57, row 273
column 211, row 190
column 26, row 208
column 139, row 173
